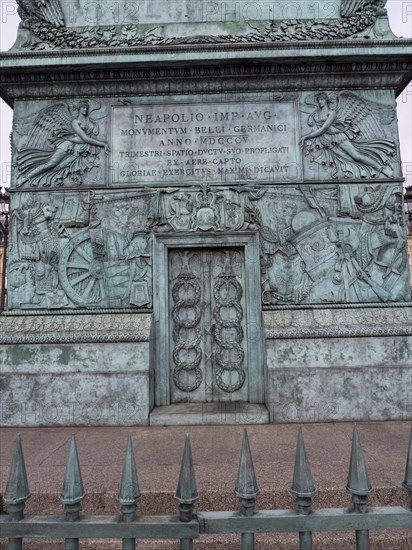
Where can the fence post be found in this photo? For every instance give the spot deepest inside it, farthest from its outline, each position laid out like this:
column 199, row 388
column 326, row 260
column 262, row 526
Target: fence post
column 73, row 491
column 408, row 470
column 17, row 491
column 186, row 492
column 303, row 488
column 129, row 492
column 360, row 487
column 246, row 489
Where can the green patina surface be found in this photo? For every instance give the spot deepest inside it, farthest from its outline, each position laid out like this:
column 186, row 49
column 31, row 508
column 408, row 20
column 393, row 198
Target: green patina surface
column 149, row 155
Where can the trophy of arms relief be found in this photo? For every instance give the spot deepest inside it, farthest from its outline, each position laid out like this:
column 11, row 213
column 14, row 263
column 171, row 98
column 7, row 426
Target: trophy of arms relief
column 76, row 249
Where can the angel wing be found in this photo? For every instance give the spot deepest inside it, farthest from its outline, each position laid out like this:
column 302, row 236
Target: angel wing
column 22, row 127
column 386, row 114
column 48, row 121
column 353, row 107
column 45, row 10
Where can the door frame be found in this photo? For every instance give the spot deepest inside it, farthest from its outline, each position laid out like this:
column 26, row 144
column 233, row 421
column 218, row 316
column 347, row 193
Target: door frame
column 249, row 242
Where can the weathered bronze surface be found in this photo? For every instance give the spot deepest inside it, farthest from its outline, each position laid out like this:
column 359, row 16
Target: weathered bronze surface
column 202, row 163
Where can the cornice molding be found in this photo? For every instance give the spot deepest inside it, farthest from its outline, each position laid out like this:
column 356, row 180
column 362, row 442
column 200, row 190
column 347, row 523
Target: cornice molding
column 319, row 49
column 200, row 78
column 64, row 329
column 202, row 71
column 339, row 322
column 337, row 332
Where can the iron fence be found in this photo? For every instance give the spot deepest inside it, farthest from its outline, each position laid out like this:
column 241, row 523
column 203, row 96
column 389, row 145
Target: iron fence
column 188, row 526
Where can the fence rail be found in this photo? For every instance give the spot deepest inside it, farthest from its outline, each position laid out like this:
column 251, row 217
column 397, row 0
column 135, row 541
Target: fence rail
column 188, row 526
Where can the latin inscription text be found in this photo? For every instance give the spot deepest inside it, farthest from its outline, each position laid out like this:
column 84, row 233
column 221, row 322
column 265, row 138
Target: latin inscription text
column 210, row 143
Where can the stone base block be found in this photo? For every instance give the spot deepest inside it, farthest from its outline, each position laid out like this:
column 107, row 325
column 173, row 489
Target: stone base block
column 75, row 384
column 319, row 380
column 321, row 365
column 337, row 364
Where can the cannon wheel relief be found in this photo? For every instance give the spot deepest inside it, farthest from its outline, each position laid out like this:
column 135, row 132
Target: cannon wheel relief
column 81, row 275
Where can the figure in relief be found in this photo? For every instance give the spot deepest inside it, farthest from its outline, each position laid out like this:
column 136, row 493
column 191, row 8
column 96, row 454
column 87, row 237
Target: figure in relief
column 137, row 252
column 39, row 232
column 61, row 143
column 349, row 277
column 382, row 250
column 346, row 136
column 284, row 273
column 21, row 289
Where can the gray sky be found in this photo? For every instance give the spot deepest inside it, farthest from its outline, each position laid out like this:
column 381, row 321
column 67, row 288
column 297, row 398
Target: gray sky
column 400, row 15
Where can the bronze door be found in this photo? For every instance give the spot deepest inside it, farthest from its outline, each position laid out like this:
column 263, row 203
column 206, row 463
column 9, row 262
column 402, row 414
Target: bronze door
column 207, row 325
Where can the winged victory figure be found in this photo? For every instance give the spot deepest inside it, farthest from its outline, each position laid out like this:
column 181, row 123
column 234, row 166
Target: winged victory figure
column 43, row 10
column 62, row 142
column 347, row 136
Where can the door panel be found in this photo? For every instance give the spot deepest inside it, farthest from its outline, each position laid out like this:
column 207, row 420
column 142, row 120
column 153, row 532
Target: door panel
column 207, row 325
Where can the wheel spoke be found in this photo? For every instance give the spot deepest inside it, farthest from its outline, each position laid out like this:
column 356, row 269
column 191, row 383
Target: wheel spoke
column 76, row 280
column 89, row 289
column 101, row 285
column 77, row 265
column 83, row 254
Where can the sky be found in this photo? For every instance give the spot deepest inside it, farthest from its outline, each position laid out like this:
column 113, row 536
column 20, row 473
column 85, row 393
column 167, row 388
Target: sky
column 400, row 16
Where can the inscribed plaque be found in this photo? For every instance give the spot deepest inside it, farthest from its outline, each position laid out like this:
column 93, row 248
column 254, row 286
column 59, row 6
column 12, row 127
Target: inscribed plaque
column 209, row 142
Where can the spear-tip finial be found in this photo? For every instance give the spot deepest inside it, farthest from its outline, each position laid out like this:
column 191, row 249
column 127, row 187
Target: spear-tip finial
column 358, row 479
column 73, row 490
column 246, row 485
column 129, row 492
column 17, row 488
column 303, row 486
column 186, row 492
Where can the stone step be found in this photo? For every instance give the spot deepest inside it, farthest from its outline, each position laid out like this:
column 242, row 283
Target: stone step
column 209, row 414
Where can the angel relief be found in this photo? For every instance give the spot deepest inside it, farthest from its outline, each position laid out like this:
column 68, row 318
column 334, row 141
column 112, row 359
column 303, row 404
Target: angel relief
column 346, row 136
column 62, row 143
